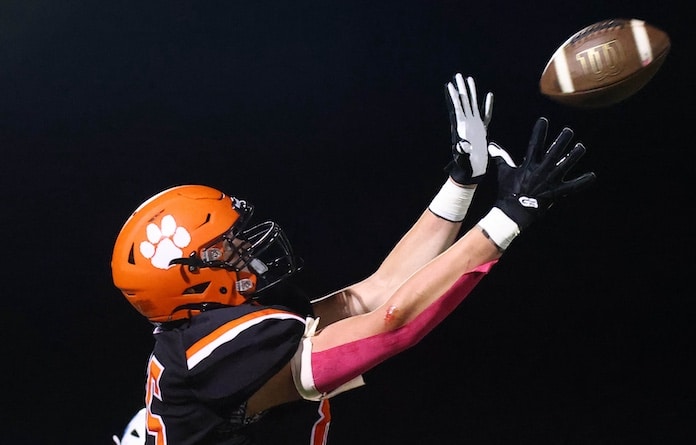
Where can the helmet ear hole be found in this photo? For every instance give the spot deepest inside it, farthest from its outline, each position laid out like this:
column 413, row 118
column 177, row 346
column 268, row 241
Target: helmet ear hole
column 131, row 256
column 197, row 289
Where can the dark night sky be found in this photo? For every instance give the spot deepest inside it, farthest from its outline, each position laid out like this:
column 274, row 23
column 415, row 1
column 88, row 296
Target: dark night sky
column 330, row 117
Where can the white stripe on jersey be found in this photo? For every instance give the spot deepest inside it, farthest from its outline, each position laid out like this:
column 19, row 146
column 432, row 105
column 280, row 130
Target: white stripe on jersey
column 234, row 332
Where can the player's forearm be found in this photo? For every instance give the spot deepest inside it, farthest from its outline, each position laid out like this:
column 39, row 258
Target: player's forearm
column 427, row 238
column 334, row 359
column 432, row 281
column 420, row 290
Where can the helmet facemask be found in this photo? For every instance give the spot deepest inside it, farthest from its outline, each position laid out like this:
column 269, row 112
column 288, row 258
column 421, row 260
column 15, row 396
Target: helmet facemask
column 262, row 250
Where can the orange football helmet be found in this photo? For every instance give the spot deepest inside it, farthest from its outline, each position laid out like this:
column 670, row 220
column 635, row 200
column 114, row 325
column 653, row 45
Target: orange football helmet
column 187, row 249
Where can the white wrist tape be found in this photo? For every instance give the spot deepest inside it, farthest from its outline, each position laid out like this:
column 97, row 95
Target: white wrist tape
column 497, row 226
column 452, row 201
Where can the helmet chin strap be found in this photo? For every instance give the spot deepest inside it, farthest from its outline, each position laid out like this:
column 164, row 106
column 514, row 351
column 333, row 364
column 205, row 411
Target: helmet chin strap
column 193, row 262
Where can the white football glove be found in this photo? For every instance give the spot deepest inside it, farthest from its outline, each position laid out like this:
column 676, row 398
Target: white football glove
column 469, row 131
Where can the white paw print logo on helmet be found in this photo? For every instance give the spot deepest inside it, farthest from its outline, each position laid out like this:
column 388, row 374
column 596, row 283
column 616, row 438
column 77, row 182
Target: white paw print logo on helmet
column 164, row 243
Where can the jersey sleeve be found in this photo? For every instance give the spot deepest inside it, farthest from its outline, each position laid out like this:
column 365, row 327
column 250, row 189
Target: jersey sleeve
column 232, row 352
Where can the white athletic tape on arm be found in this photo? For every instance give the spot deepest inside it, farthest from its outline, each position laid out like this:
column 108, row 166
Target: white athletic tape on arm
column 497, row 226
column 452, row 201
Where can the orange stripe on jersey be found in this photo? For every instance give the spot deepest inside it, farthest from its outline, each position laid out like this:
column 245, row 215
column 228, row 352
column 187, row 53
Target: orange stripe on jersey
column 320, row 430
column 228, row 331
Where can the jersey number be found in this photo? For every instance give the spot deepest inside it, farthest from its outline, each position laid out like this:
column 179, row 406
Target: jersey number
column 155, row 426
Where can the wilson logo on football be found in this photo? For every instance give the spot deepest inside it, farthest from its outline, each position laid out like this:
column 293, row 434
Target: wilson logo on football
column 603, row 60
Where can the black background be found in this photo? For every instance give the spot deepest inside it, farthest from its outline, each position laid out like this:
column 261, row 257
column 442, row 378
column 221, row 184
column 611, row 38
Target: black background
column 331, row 118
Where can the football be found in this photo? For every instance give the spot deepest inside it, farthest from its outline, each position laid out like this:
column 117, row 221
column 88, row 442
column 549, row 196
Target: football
column 604, row 63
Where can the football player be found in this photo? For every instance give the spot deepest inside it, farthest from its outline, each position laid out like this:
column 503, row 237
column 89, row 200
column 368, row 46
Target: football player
column 191, row 261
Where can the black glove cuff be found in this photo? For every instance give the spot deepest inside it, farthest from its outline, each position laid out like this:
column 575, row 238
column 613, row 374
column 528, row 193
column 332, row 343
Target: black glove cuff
column 461, row 175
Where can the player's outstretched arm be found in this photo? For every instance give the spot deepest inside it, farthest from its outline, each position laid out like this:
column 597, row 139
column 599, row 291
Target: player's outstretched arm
column 333, row 359
column 440, row 224
column 342, row 351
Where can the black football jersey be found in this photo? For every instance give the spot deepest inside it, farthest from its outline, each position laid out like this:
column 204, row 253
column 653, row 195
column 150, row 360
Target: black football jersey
column 202, row 371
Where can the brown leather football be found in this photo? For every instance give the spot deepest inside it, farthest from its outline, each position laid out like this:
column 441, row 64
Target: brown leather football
column 604, row 63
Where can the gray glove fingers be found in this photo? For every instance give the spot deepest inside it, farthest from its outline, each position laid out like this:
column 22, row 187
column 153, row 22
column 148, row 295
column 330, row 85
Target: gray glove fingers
column 455, row 103
column 456, row 114
column 488, row 109
column 472, row 101
column 452, row 110
column 463, row 94
column 473, row 98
